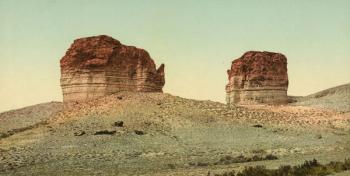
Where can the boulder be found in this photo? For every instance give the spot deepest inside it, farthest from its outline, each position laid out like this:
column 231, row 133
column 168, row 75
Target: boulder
column 100, row 65
column 258, row 77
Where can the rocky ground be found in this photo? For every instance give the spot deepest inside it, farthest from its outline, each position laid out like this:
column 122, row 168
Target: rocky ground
column 163, row 134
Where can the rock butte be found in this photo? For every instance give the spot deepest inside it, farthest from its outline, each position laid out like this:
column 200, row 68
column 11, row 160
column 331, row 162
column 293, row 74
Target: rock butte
column 258, row 77
column 100, row 65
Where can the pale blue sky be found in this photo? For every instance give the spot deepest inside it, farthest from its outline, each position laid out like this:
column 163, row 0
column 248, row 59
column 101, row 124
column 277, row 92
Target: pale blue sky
column 197, row 40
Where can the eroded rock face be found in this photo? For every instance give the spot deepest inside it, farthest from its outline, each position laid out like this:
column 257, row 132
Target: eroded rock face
column 259, row 77
column 100, row 65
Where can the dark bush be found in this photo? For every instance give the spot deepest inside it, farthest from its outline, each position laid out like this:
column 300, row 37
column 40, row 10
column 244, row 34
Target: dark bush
column 138, row 132
column 105, row 132
column 308, row 168
column 257, row 126
column 270, row 157
column 119, row 123
column 171, row 166
column 231, row 173
column 255, row 171
column 202, row 164
column 243, row 159
column 346, row 164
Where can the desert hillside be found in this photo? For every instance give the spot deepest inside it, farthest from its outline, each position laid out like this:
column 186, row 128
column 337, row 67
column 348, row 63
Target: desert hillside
column 160, row 134
column 28, row 117
column 337, row 98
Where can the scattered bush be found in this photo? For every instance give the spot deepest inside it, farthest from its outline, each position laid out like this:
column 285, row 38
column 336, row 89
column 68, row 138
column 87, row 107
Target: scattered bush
column 255, row 171
column 346, row 164
column 171, row 166
column 4, row 135
column 200, row 164
column 270, row 157
column 242, row 159
column 257, row 126
column 119, row 123
column 79, row 133
column 138, row 132
column 308, row 168
column 231, row 173
column 105, row 132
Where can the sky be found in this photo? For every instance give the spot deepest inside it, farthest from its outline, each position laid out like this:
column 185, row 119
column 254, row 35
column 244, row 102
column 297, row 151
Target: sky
column 195, row 39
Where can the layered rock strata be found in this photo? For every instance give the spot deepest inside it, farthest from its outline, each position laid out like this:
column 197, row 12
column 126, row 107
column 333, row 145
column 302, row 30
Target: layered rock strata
column 100, row 65
column 258, row 77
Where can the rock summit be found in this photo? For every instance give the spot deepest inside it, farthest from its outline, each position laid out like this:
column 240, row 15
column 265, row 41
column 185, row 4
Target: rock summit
column 100, row 65
column 258, row 77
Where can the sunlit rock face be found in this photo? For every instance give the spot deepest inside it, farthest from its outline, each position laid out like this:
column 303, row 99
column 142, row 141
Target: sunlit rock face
column 258, row 77
column 100, row 65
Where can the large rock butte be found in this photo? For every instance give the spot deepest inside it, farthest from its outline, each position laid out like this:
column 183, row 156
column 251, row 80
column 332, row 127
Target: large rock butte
column 100, row 65
column 258, row 77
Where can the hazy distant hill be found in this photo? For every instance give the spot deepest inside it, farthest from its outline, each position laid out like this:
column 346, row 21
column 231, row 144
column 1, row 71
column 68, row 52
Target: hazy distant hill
column 337, row 98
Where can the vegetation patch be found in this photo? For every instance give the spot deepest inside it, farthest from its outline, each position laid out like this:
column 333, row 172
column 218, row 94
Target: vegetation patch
column 308, row 168
column 243, row 159
column 239, row 159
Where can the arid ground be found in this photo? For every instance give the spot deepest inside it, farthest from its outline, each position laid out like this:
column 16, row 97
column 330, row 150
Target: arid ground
column 163, row 134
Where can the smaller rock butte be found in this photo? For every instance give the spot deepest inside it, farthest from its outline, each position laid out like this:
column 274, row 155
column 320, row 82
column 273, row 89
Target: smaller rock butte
column 100, row 65
column 258, row 77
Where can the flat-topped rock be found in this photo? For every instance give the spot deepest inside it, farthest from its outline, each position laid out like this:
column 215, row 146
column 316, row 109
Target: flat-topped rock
column 100, row 65
column 258, row 77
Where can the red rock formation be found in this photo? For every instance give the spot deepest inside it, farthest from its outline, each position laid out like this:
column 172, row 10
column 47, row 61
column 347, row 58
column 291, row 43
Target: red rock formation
column 100, row 65
column 258, row 77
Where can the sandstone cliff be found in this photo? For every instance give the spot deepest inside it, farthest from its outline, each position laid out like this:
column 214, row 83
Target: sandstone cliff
column 259, row 77
column 100, row 65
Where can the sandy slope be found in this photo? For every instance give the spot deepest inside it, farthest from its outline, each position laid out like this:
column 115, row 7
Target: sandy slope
column 337, row 98
column 23, row 118
column 178, row 134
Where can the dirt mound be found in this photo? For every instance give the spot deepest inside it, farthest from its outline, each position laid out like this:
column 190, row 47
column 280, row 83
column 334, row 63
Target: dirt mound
column 337, row 98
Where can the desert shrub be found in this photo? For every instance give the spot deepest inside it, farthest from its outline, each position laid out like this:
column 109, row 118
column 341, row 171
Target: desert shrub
column 308, row 168
column 346, row 164
column 336, row 166
column 231, row 173
column 271, row 157
column 256, row 158
column 243, row 159
column 258, row 151
column 283, row 171
column 257, row 126
column 254, row 171
column 202, row 164
column 3, row 135
column 171, row 166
